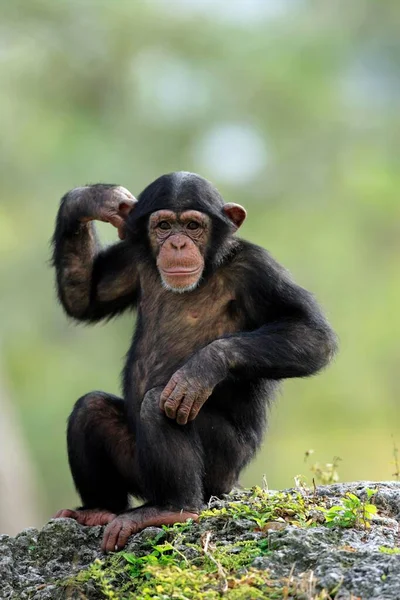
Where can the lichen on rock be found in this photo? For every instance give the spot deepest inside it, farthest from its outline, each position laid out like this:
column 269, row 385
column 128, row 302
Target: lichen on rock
column 250, row 544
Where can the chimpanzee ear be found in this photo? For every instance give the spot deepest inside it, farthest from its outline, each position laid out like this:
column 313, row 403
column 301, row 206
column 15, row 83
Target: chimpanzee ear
column 235, row 213
column 125, row 207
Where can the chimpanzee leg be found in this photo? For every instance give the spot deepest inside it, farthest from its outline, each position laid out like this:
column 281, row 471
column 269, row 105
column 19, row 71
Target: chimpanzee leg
column 226, row 452
column 101, row 457
column 169, row 458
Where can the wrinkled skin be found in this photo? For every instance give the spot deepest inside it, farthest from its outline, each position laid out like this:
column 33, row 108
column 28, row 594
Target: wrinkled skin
column 188, row 390
column 114, row 208
column 122, row 527
column 89, row 517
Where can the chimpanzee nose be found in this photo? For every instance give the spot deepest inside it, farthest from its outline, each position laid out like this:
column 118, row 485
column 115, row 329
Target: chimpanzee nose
column 178, row 243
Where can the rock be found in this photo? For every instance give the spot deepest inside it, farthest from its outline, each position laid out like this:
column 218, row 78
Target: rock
column 347, row 563
column 33, row 560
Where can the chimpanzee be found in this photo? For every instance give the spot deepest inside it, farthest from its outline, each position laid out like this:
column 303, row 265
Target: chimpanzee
column 219, row 323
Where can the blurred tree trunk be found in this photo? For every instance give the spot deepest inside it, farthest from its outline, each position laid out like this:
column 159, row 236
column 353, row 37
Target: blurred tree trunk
column 19, row 506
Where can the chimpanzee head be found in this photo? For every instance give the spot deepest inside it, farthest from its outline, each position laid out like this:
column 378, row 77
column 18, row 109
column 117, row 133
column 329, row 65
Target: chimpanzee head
column 186, row 225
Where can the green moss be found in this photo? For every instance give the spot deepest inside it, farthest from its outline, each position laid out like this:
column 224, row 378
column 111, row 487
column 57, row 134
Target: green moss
column 181, row 580
column 109, row 577
column 166, row 573
column 189, row 562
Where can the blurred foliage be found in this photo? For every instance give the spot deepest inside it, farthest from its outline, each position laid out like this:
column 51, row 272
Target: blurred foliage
column 291, row 108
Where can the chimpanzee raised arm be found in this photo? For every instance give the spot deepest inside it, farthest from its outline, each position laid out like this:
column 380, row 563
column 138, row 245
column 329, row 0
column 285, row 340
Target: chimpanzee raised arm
column 92, row 282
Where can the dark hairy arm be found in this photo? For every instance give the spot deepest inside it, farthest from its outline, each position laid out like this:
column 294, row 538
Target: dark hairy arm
column 288, row 336
column 295, row 341
column 92, row 282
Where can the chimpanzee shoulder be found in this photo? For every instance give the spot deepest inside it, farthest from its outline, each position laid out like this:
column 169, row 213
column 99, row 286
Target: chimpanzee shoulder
column 265, row 289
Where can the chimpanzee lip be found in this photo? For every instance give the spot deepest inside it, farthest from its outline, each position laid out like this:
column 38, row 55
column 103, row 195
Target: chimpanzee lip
column 181, row 271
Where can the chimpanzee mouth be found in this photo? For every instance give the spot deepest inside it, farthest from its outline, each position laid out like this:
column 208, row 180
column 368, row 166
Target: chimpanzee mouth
column 180, row 271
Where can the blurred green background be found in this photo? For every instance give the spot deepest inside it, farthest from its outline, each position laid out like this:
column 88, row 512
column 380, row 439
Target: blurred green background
column 291, row 107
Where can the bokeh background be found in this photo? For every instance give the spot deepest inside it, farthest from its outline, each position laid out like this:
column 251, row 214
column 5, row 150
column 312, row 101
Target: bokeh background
column 291, row 107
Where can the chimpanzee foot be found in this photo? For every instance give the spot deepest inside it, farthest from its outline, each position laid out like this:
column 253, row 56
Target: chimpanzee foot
column 123, row 526
column 89, row 517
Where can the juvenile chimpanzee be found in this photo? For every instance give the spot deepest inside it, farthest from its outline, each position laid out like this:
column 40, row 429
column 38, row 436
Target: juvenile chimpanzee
column 219, row 324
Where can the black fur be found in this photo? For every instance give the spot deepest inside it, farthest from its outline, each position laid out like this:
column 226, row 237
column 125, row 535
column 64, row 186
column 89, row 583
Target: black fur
column 274, row 329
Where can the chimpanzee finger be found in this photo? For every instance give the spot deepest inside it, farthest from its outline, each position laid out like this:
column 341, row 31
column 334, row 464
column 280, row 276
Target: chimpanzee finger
column 174, row 398
column 184, row 410
column 124, row 534
column 110, row 537
column 125, row 207
column 125, row 195
column 115, row 220
column 117, row 533
column 167, row 391
column 174, row 401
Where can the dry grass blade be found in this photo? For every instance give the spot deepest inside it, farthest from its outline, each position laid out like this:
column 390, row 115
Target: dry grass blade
column 205, row 543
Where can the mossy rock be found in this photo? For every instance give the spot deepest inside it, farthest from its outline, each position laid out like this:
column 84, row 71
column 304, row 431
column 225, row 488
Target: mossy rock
column 248, row 545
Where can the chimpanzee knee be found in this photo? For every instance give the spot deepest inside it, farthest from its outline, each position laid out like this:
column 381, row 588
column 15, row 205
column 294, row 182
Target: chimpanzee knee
column 91, row 425
column 85, row 408
column 169, row 458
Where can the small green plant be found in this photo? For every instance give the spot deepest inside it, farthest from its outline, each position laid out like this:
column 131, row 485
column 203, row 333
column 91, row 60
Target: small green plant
column 264, row 507
column 353, row 512
column 162, row 554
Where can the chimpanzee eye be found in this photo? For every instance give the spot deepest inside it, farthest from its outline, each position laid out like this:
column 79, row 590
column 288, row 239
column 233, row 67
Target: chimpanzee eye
column 192, row 225
column 164, row 225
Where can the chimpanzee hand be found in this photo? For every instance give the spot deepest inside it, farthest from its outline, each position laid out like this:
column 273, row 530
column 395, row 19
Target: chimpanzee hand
column 188, row 389
column 107, row 203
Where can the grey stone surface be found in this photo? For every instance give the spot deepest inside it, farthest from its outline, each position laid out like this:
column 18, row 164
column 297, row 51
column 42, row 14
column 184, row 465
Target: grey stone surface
column 33, row 563
column 349, row 559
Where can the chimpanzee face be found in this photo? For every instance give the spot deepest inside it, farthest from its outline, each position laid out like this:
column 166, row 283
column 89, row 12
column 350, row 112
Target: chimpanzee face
column 179, row 242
